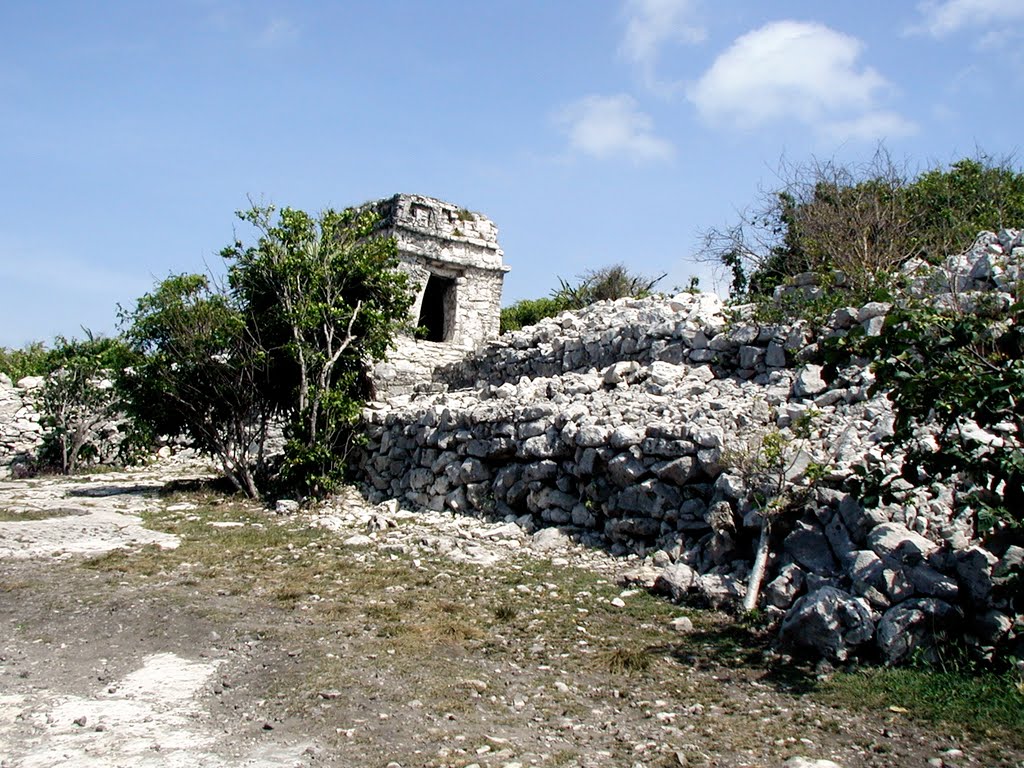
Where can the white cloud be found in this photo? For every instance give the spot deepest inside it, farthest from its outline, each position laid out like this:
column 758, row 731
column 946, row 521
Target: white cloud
column 801, row 71
column 650, row 24
column 609, row 126
column 944, row 18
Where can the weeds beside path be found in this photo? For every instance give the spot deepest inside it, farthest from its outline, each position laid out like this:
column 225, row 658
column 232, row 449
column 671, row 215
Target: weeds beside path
column 355, row 636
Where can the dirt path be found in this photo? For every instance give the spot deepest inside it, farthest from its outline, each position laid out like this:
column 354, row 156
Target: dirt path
column 142, row 628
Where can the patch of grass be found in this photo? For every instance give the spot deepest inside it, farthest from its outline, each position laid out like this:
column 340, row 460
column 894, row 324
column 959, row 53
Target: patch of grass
column 505, row 613
column 148, row 560
column 12, row 586
column 986, row 703
column 292, row 592
column 452, row 629
column 18, row 516
column 623, row 660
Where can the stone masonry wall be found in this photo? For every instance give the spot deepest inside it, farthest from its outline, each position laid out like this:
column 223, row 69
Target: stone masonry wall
column 20, row 431
column 629, row 424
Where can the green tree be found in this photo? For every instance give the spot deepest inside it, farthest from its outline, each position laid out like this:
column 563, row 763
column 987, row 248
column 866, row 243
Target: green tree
column 863, row 222
column 605, row 284
column 325, row 296
column 288, row 339
column 529, row 312
column 950, row 207
column 201, row 372
column 30, row 360
column 78, row 394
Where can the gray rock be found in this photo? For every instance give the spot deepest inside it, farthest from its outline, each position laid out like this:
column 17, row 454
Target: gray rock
column 775, row 356
column 675, row 581
column 827, row 623
column 974, row 568
column 681, row 624
column 624, row 470
column 548, row 498
column 931, row 583
column 31, row 382
column 873, row 326
column 807, row 545
column 872, row 310
column 540, row 470
column 591, row 436
column 632, row 528
column 751, row 356
column 679, row 471
column 990, row 627
column 744, row 334
column 914, row 626
column 1012, row 562
column 549, row 540
column 859, row 521
column 582, row 517
column 625, row 436
column 900, row 543
column 839, row 539
column 809, row 381
column 784, row 588
column 720, row 590
column 621, row 372
column 730, row 485
column 473, row 471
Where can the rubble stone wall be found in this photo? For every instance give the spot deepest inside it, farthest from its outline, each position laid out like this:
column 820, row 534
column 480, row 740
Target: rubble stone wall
column 633, row 424
column 20, row 431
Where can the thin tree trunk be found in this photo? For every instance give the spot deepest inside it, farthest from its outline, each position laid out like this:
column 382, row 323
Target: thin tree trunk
column 750, row 600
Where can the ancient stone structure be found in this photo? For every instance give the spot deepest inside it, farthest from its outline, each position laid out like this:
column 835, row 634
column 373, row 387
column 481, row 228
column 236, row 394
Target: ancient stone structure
column 633, row 425
column 453, row 258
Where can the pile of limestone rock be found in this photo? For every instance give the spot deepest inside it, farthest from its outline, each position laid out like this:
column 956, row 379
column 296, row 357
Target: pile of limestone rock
column 640, row 426
column 21, row 434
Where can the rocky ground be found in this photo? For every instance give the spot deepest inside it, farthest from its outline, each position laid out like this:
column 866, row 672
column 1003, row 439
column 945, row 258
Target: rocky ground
column 148, row 620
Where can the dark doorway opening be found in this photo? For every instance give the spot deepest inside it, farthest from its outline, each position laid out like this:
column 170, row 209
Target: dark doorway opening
column 436, row 311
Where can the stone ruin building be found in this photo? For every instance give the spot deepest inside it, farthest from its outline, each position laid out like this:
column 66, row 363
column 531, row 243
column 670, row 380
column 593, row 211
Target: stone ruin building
column 453, row 258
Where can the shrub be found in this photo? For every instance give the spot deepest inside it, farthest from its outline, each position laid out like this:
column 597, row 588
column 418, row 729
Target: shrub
column 529, row 312
column 307, row 306
column 79, row 395
column 33, row 359
column 863, row 221
column 607, row 283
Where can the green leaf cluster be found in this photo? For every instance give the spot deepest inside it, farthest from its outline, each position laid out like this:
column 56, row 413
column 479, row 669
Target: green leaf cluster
column 862, row 223
column 201, row 373
column 287, row 340
column 33, row 359
column 78, row 395
column 956, row 381
column 530, row 312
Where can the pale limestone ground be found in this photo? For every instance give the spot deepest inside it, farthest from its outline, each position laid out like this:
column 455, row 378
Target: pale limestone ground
column 148, row 718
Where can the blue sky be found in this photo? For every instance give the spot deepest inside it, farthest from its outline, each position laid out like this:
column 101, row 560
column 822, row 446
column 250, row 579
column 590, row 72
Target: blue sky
column 591, row 131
